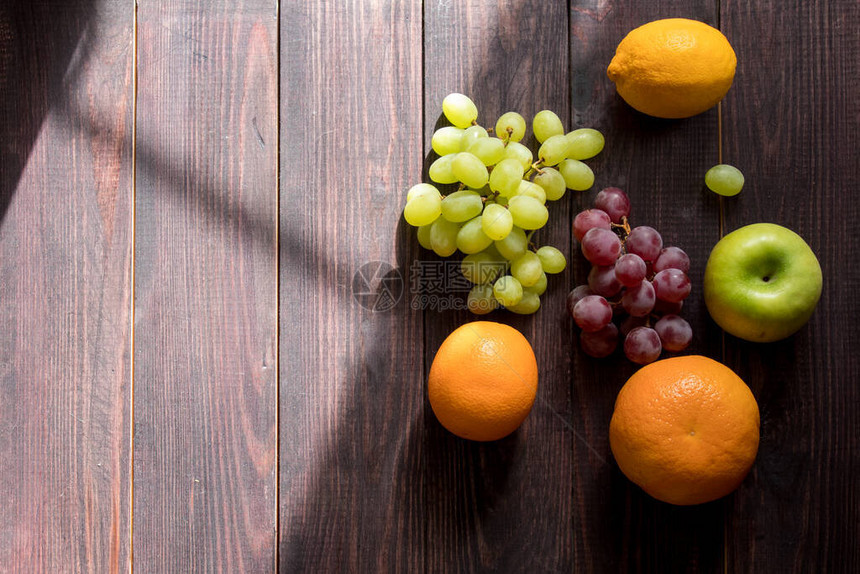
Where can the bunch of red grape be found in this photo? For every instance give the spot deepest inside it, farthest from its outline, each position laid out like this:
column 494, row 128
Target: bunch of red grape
column 634, row 279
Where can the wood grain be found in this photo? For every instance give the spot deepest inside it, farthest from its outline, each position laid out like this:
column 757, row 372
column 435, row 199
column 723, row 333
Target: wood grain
column 660, row 164
column 506, row 505
column 315, row 450
column 206, row 310
column 791, row 125
column 65, row 284
column 351, row 387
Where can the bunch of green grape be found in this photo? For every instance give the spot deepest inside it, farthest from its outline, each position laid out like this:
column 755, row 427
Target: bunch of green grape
column 500, row 200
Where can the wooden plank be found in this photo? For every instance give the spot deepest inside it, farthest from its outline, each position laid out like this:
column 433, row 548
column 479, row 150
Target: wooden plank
column 791, row 125
column 206, row 308
column 65, row 285
column 506, row 505
column 660, row 164
column 350, row 418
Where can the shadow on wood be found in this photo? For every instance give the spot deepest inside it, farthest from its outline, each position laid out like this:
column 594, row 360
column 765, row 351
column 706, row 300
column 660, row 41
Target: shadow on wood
column 334, row 523
column 43, row 46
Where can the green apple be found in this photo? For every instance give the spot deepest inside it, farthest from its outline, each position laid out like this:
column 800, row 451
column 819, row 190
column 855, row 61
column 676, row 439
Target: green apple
column 762, row 282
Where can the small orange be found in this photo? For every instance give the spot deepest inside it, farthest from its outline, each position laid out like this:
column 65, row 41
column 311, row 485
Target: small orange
column 673, row 68
column 483, row 381
column 685, row 429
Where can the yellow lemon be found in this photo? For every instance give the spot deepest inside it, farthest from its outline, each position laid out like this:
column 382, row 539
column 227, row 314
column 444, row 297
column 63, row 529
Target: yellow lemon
column 673, row 68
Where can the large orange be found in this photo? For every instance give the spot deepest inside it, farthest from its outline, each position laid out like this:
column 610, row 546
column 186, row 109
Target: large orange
column 685, row 429
column 483, row 381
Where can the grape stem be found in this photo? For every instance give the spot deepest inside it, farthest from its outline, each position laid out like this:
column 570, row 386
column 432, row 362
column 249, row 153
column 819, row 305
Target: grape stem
column 534, row 168
column 533, row 246
column 492, row 197
column 624, row 226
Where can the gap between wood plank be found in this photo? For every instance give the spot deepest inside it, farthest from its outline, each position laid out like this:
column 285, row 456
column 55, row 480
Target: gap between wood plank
column 722, row 332
column 424, row 152
column 278, row 291
column 133, row 297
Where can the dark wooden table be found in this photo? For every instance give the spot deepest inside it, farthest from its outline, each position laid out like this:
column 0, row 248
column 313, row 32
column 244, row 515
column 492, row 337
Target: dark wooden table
column 188, row 383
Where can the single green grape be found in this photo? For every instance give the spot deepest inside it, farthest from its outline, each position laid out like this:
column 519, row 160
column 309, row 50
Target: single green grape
column 527, row 268
column 471, row 237
column 494, row 253
column 424, row 236
column 577, row 175
column 462, row 205
column 481, row 267
column 481, row 300
column 514, row 245
column 443, row 237
column 552, row 183
column 528, row 212
column 506, row 176
column 531, row 189
column 725, row 180
column 538, row 288
column 521, row 153
column 422, row 209
column 421, row 189
column 552, row 260
column 489, row 150
column 553, row 150
column 546, row 124
column 584, row 143
column 471, row 135
column 441, row 171
column 470, row 170
column 511, row 127
column 528, row 305
column 508, row 291
column 460, row 110
column 447, row 140
column 496, row 221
